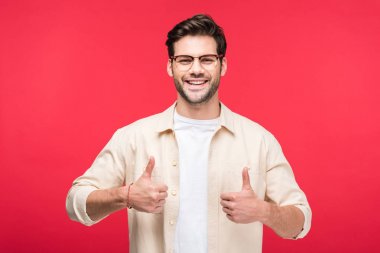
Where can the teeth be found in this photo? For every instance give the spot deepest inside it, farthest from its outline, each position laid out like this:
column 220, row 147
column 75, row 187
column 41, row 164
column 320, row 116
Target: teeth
column 196, row 82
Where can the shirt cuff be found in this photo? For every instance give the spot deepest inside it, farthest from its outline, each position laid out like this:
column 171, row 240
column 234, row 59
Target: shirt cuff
column 307, row 223
column 76, row 204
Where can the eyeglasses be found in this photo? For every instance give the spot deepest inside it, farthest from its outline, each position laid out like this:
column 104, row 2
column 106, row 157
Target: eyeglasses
column 185, row 62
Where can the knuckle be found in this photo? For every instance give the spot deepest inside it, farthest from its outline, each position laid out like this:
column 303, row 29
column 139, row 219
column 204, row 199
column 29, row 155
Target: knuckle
column 153, row 196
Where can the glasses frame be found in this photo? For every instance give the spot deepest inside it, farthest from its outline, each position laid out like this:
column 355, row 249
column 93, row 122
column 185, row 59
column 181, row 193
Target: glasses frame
column 174, row 58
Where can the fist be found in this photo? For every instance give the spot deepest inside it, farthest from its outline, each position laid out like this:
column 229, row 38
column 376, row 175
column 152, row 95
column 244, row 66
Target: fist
column 146, row 195
column 243, row 206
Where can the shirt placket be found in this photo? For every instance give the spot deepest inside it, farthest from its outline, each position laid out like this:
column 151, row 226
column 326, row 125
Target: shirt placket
column 172, row 201
column 213, row 196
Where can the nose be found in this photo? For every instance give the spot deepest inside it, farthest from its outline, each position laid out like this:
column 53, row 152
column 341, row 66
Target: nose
column 196, row 67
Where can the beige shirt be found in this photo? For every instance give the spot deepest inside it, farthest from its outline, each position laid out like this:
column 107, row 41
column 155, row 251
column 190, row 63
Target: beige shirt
column 236, row 143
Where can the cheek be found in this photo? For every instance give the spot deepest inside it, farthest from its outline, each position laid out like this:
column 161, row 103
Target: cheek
column 178, row 76
column 216, row 74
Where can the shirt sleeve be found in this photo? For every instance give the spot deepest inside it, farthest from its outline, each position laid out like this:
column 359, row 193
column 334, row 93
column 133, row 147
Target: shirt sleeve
column 76, row 204
column 107, row 171
column 282, row 187
column 307, row 223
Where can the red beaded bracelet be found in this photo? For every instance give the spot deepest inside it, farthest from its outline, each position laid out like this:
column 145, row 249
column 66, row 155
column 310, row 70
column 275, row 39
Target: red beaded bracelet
column 128, row 204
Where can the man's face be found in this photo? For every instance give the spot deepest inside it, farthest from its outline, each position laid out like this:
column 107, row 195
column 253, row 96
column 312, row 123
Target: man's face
column 197, row 84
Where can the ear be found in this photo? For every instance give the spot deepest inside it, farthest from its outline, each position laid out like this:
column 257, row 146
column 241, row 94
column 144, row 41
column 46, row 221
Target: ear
column 224, row 67
column 169, row 68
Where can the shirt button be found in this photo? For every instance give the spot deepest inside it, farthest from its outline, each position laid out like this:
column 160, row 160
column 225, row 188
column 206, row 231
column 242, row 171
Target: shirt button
column 171, row 222
column 174, row 163
column 174, row 192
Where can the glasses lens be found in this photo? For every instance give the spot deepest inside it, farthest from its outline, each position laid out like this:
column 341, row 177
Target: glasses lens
column 208, row 59
column 184, row 60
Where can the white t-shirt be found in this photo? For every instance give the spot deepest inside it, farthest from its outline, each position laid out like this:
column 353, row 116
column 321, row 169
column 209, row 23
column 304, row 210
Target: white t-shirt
column 193, row 138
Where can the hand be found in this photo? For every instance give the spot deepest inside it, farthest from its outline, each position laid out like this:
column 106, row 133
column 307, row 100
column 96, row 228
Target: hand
column 146, row 195
column 244, row 206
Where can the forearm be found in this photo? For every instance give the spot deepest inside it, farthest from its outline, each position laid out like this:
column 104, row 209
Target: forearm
column 101, row 203
column 285, row 221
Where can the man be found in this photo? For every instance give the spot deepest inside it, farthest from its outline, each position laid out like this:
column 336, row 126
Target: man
column 196, row 177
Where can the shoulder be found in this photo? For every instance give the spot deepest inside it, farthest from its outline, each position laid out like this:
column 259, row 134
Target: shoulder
column 248, row 129
column 242, row 124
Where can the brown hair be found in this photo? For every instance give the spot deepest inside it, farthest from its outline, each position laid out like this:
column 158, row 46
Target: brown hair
column 197, row 25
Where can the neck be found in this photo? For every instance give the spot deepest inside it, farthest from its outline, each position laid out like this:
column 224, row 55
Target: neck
column 203, row 111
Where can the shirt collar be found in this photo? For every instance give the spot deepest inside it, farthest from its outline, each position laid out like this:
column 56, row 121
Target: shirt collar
column 166, row 121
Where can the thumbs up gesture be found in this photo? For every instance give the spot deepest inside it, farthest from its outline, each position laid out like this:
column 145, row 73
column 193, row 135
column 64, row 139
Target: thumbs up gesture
column 146, row 195
column 244, row 206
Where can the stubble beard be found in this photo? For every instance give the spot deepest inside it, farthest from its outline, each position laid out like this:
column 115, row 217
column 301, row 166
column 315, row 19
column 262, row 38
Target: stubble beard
column 214, row 85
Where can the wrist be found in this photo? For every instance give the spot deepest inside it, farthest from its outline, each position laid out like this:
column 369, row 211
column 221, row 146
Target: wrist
column 129, row 202
column 269, row 213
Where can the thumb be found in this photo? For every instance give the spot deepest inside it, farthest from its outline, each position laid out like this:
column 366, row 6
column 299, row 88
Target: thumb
column 246, row 180
column 149, row 167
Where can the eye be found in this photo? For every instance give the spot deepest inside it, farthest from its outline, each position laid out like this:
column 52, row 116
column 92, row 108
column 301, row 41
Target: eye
column 207, row 60
column 184, row 60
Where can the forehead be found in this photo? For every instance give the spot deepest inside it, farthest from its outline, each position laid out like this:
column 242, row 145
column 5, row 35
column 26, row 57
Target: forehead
column 195, row 45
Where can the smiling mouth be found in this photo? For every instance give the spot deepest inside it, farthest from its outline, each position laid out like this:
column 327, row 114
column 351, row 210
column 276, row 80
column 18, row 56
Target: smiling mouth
column 196, row 82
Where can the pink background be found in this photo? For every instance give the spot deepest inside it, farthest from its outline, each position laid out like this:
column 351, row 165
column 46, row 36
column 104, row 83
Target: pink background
column 72, row 72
